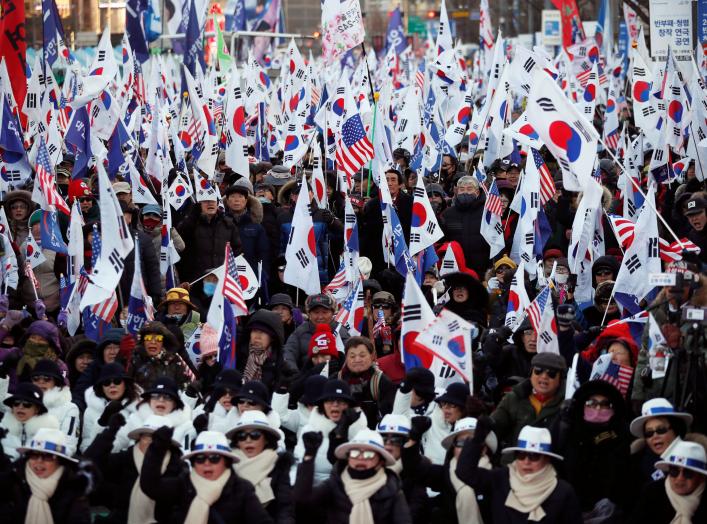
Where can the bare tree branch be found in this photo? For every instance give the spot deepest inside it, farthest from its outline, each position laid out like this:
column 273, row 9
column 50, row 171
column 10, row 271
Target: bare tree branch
column 641, row 8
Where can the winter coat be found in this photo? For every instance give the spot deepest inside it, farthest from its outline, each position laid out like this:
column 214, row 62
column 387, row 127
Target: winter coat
column 47, row 275
column 494, row 485
column 462, row 223
column 373, row 391
column 237, row 503
column 293, row 420
column 68, row 504
column 207, row 242
column 653, row 506
column 95, row 406
column 319, row 422
column 297, row 346
column 282, row 509
column 387, row 504
column 254, row 239
column 370, row 228
column 146, row 369
column 149, row 266
column 432, row 439
column 58, row 403
column 180, row 419
column 516, row 411
column 272, row 232
column 20, row 434
column 156, row 237
column 272, row 367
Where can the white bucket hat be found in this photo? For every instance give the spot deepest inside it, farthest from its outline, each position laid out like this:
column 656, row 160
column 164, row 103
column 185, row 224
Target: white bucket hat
column 394, row 424
column 689, row 455
column 152, row 423
column 656, row 407
column 52, row 441
column 534, row 440
column 469, row 424
column 365, row 439
column 211, row 442
column 253, row 420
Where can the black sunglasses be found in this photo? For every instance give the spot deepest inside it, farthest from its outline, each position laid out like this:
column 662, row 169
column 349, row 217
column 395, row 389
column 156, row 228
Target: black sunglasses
column 112, row 382
column 246, row 402
column 44, row 457
column 662, row 430
column 201, row 458
column 459, row 443
column 242, row 436
column 22, row 404
column 524, row 455
column 381, row 305
column 85, row 199
column 674, row 471
column 395, row 440
column 552, row 373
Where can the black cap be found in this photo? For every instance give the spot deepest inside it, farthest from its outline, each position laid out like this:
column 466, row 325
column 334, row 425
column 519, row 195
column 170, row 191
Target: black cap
column 255, row 391
column 281, row 299
column 27, row 392
column 228, row 379
column 549, row 361
column 695, row 205
column 336, row 389
column 109, row 372
column 313, row 387
column 456, row 394
column 422, row 380
column 48, row 368
column 165, row 386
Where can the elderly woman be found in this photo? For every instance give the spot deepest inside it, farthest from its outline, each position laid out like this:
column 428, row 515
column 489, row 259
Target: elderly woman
column 211, row 492
column 157, row 356
column 43, row 487
column 222, row 400
column 361, row 489
column 24, row 415
column 680, row 497
column 468, row 297
column 253, row 396
column 528, row 488
column 255, row 441
column 18, row 205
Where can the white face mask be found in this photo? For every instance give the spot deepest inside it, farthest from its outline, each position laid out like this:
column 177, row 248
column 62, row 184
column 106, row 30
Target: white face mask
column 561, row 278
column 463, row 157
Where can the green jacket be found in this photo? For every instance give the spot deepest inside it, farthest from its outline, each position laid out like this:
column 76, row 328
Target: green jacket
column 515, row 411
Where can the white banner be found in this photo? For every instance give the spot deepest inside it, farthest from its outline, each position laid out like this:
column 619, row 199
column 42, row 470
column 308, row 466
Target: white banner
column 342, row 28
column 671, row 26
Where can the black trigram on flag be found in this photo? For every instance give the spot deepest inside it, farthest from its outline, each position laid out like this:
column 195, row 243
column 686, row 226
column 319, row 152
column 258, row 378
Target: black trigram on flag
column 546, row 104
column 546, row 337
column 412, row 312
column 529, row 64
column 414, row 237
column 431, row 227
column 302, row 257
column 453, row 326
column 437, row 339
column 633, row 264
column 116, row 261
column 447, row 264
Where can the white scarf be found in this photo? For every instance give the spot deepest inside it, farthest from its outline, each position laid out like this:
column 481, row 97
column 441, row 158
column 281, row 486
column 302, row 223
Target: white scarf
column 684, row 505
column 38, row 510
column 142, row 508
column 528, row 492
column 256, row 470
column 465, row 502
column 207, row 492
column 397, row 467
column 359, row 491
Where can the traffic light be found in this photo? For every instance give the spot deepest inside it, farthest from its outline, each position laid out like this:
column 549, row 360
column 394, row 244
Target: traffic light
column 432, row 14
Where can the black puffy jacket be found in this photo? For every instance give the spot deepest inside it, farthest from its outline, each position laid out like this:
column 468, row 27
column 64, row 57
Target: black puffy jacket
column 462, row 222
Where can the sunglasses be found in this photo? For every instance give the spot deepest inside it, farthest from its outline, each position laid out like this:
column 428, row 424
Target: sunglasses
column 675, row 471
column 551, row 373
column 242, row 436
column 598, row 404
column 43, row 457
column 202, row 458
column 42, row 378
column 160, row 396
column 459, row 443
column 380, row 305
column 365, row 454
column 524, row 455
column 21, row 404
column 662, row 430
column 246, row 402
column 151, row 337
column 604, row 272
column 395, row 440
column 112, row 382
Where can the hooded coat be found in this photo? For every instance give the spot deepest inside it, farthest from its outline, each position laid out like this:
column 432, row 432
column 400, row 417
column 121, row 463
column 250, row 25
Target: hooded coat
column 462, row 223
column 254, row 239
column 95, row 406
column 58, row 402
column 20, row 434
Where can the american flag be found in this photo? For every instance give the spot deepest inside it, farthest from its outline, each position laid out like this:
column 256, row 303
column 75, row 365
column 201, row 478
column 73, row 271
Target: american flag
column 618, row 376
column 547, row 184
column 625, row 233
column 47, row 181
column 536, row 308
column 623, row 229
column 380, row 322
column 612, row 139
column 231, row 284
column 106, row 310
column 342, row 317
column 339, row 284
column 29, row 273
column 420, row 75
column 493, row 200
column 354, row 148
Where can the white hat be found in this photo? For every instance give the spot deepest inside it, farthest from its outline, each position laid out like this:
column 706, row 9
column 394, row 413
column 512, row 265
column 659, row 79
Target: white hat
column 148, row 427
column 365, row 266
column 534, row 440
column 656, row 407
column 365, row 439
column 52, row 441
column 690, row 455
column 211, row 442
column 469, row 424
column 395, row 424
column 254, row 419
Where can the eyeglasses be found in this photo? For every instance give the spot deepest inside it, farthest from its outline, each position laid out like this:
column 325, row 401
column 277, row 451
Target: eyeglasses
column 112, row 382
column 202, row 458
column 21, row 404
column 365, row 454
column 528, row 332
column 551, row 373
column 675, row 471
column 242, row 436
column 160, row 396
column 42, row 457
column 85, row 199
column 524, row 455
column 662, row 430
column 18, row 205
column 381, row 305
column 598, row 404
column 604, row 273
column 150, row 337
column 42, row 378
column 246, row 402
column 395, row 440
column 459, row 443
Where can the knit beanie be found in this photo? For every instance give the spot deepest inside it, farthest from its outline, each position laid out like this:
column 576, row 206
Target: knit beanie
column 322, row 342
column 208, row 341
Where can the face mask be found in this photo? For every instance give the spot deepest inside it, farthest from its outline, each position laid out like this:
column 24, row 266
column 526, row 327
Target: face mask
column 123, row 322
column 176, row 317
column 209, row 289
column 463, row 157
column 151, row 223
column 264, row 200
column 561, row 278
column 597, row 416
column 465, row 198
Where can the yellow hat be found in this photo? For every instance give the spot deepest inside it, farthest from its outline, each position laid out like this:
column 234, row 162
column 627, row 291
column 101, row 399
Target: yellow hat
column 177, row 294
column 505, row 261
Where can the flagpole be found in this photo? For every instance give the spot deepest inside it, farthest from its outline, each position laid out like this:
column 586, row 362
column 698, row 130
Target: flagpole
column 375, row 114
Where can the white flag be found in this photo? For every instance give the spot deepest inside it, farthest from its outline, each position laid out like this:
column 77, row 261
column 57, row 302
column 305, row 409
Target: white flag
column 179, row 192
column 301, row 254
column 234, row 131
column 33, row 252
column 425, row 229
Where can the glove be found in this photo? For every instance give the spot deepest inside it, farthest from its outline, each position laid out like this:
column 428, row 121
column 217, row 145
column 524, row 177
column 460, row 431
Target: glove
column 595, row 331
column 40, row 310
column 418, row 427
column 162, row 437
column 127, row 346
column 4, row 304
column 201, row 423
column 312, row 440
column 192, row 390
column 283, row 384
column 113, row 407
column 386, row 335
column 328, row 217
column 116, row 421
column 62, row 318
column 405, row 387
column 483, row 427
column 565, row 316
column 348, row 417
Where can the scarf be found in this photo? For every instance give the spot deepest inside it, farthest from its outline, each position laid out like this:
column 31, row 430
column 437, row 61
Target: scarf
column 207, row 492
column 141, row 509
column 33, row 353
column 684, row 505
column 254, row 365
column 397, row 468
column 528, row 492
column 465, row 502
column 256, row 470
column 38, row 510
column 359, row 491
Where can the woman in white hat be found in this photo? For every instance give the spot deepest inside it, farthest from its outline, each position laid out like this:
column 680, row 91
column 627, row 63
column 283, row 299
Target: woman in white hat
column 680, row 497
column 528, row 488
column 255, row 443
column 121, row 492
column 457, row 501
column 211, row 492
column 361, row 489
column 43, row 486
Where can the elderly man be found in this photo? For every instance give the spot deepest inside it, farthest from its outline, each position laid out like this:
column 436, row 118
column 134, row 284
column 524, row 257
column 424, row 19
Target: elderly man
column 462, row 222
column 696, row 214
